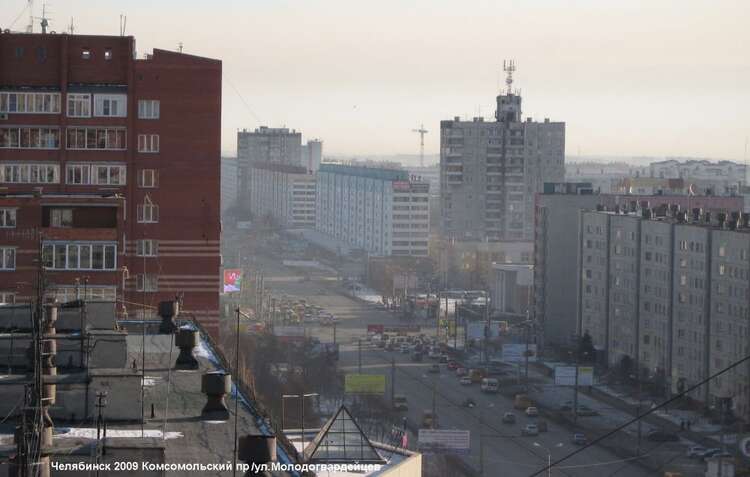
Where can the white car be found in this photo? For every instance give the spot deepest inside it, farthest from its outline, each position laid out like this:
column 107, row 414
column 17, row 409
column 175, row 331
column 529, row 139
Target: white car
column 465, row 381
column 531, row 411
column 530, row 430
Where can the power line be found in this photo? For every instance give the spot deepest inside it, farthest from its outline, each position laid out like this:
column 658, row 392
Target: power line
column 247, row 106
column 637, row 418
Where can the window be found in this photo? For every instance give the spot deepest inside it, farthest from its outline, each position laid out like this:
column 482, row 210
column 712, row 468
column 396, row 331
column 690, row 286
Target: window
column 148, row 109
column 7, row 258
column 61, row 218
column 148, row 178
column 79, row 256
column 147, row 282
column 110, row 105
column 79, row 105
column 148, row 212
column 25, row 137
column 148, row 143
column 85, row 53
column 64, row 294
column 108, row 54
column 7, row 218
column 30, row 103
column 147, row 248
column 7, row 298
column 29, row 173
column 722, row 250
column 96, row 138
column 95, row 174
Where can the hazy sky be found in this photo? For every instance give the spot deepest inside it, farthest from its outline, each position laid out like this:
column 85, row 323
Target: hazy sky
column 654, row 77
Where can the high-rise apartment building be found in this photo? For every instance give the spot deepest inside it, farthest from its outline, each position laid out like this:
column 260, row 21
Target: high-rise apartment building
column 271, row 145
column 557, row 253
column 284, row 193
column 667, row 291
column 490, row 172
column 381, row 211
column 109, row 169
column 312, row 154
column 229, row 182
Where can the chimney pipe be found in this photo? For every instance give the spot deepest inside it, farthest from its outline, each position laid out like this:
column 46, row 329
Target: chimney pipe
column 216, row 385
column 722, row 219
column 256, row 449
column 696, row 214
column 186, row 340
column 167, row 311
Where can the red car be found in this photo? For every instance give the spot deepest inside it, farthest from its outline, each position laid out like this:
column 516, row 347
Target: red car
column 453, row 364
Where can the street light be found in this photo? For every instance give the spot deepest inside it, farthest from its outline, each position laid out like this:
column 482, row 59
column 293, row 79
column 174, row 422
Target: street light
column 549, row 455
column 301, row 398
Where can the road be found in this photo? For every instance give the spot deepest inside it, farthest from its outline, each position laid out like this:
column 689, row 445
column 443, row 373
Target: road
column 503, row 447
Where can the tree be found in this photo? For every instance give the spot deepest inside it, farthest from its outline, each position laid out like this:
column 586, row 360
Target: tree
column 586, row 350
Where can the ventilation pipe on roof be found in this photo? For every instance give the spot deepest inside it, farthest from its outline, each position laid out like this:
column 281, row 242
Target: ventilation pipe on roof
column 215, row 385
column 697, row 214
column 186, row 340
column 168, row 310
column 722, row 219
column 256, row 449
column 745, row 220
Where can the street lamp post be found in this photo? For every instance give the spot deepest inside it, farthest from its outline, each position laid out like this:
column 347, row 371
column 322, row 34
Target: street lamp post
column 549, row 455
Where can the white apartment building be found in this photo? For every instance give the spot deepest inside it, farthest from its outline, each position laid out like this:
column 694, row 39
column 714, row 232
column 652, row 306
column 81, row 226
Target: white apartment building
column 381, row 211
column 286, row 193
column 721, row 177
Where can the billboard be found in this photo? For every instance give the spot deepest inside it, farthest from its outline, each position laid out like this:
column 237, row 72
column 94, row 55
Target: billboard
column 232, row 280
column 566, row 376
column 453, row 441
column 364, row 384
column 516, row 353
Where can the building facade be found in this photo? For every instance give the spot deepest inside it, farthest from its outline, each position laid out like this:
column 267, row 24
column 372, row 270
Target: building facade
column 229, row 182
column 109, row 173
column 677, row 286
column 268, row 145
column 556, row 249
column 380, row 211
column 311, row 154
column 284, row 193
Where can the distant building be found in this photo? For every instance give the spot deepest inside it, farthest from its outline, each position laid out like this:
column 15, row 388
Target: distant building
column 380, row 211
column 718, row 178
column 284, row 193
column 601, row 175
column 311, row 154
column 267, row 145
column 510, row 294
column 557, row 241
column 229, row 182
column 666, row 290
column 113, row 163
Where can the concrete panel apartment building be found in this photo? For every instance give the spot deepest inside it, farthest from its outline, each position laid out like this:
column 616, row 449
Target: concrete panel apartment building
column 286, row 193
column 109, row 165
column 670, row 290
column 381, row 211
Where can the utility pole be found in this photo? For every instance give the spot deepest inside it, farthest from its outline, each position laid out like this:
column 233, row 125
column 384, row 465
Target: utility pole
column 393, row 381
column 486, row 325
column 359, row 355
column 526, row 353
column 575, row 387
column 334, row 333
column 422, row 131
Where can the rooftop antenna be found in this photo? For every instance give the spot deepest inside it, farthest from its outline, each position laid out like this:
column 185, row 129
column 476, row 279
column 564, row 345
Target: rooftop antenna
column 509, row 66
column 71, row 28
column 123, row 24
column 44, row 23
column 30, row 26
column 179, row 47
column 422, row 131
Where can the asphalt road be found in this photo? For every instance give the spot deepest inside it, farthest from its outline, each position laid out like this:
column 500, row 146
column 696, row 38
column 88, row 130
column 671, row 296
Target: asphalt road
column 505, row 451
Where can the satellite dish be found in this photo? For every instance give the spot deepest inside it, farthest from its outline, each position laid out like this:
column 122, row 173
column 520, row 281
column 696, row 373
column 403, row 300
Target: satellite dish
column 744, row 446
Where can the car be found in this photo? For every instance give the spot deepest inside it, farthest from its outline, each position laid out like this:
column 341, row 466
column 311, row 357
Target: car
column 461, row 371
column 400, row 403
column 443, row 359
column 532, row 411
column 579, row 439
column 465, row 381
column 453, row 365
column 433, row 355
column 530, row 430
column 695, row 451
column 405, row 349
column 721, row 454
column 586, row 411
column 435, row 368
column 490, row 385
column 710, row 452
column 509, row 418
column 662, row 436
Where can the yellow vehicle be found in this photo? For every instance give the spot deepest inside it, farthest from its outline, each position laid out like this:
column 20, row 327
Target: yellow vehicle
column 522, row 402
column 476, row 375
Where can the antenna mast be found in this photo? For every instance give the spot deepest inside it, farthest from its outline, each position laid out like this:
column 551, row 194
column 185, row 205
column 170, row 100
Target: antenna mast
column 509, row 67
column 422, row 131
column 30, row 26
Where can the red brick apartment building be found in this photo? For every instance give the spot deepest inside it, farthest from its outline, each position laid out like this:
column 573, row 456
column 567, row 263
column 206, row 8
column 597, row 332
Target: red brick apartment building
column 114, row 161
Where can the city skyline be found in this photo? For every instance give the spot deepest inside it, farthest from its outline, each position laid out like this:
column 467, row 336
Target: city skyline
column 669, row 81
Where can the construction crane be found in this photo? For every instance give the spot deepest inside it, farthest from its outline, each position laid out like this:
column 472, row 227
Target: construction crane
column 422, row 131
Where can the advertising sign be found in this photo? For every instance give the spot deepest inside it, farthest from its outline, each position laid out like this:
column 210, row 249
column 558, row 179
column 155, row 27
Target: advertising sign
column 453, row 441
column 566, row 376
column 516, row 353
column 232, row 280
column 364, row 384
